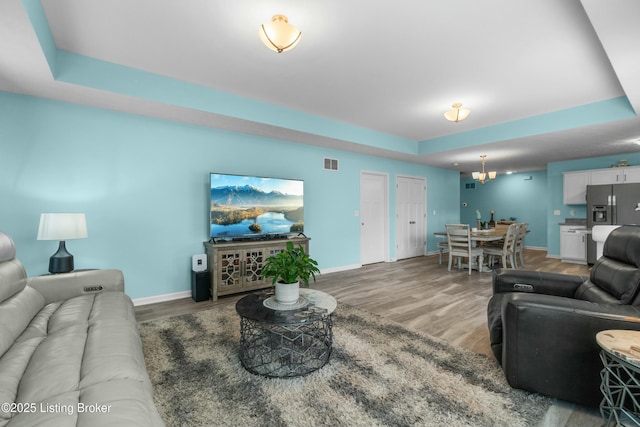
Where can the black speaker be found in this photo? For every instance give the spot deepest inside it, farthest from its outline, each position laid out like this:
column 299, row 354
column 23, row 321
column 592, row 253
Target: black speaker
column 200, row 282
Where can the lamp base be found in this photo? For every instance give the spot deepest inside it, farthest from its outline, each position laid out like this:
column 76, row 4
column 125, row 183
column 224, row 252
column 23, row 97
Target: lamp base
column 61, row 261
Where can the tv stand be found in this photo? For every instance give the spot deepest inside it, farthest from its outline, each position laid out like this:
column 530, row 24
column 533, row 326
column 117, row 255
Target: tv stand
column 236, row 266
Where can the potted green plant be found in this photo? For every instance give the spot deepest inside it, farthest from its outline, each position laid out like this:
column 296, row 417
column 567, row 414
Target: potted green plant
column 288, row 269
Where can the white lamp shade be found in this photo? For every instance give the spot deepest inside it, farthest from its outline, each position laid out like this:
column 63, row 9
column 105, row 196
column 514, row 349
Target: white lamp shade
column 62, row 226
column 492, row 174
column 475, row 175
column 278, row 35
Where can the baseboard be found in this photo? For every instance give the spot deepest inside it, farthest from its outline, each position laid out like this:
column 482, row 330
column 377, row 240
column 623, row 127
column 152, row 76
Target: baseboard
column 342, row 268
column 186, row 294
column 161, row 298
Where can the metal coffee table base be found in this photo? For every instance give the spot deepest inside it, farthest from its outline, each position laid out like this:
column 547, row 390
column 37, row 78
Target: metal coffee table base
column 292, row 350
column 620, row 387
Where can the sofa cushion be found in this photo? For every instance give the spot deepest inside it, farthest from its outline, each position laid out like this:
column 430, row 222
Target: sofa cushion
column 616, row 278
column 7, row 248
column 623, row 244
column 12, row 279
column 84, row 352
column 494, row 322
column 16, row 312
column 590, row 292
column 617, row 272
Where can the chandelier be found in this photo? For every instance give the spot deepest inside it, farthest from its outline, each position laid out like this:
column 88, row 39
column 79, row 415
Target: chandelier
column 457, row 113
column 483, row 176
column 278, row 35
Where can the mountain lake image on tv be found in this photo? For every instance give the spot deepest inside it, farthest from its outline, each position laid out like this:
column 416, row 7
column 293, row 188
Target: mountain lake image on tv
column 254, row 206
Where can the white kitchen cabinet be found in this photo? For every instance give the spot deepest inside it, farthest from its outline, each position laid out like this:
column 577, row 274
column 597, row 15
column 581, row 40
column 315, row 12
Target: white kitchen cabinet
column 575, row 182
column 575, row 187
column 630, row 174
column 573, row 244
column 606, row 176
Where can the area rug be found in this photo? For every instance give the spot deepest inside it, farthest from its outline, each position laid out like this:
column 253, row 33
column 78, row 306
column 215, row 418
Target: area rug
column 379, row 374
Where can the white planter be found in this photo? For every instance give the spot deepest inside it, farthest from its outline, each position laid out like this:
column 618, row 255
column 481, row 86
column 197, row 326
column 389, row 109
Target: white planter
column 287, row 293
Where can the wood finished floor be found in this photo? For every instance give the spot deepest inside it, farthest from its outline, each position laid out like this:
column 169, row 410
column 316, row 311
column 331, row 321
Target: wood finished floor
column 420, row 294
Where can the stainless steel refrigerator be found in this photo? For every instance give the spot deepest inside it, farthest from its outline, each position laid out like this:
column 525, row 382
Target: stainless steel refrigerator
column 611, row 204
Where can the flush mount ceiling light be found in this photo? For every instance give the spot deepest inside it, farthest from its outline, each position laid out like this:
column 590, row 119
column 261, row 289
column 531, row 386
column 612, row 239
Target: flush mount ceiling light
column 483, row 176
column 457, row 114
column 278, row 35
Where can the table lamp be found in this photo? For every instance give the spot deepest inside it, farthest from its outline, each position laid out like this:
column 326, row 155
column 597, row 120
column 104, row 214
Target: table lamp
column 62, row 227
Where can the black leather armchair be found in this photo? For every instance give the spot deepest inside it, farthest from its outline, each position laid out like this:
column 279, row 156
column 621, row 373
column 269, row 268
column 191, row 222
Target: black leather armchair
column 542, row 326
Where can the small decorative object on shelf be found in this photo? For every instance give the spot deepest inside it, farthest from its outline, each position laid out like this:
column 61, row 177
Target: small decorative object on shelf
column 622, row 163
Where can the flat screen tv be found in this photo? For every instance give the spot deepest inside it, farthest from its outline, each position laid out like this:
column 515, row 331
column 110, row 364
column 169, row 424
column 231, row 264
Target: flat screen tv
column 251, row 206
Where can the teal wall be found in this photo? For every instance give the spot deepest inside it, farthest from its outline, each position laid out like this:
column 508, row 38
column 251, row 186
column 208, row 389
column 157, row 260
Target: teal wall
column 533, row 200
column 143, row 184
column 518, row 195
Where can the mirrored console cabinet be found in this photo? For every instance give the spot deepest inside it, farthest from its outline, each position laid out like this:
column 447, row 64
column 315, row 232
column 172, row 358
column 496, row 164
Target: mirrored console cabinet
column 236, row 266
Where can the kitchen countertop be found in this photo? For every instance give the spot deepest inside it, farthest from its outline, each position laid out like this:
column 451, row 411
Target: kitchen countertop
column 576, row 222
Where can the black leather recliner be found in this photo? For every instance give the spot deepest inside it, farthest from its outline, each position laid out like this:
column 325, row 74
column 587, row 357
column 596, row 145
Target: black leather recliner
column 543, row 326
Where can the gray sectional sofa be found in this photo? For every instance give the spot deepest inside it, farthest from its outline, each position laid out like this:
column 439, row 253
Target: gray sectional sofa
column 70, row 352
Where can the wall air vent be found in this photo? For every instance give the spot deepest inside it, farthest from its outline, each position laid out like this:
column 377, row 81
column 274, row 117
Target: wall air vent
column 330, row 164
column 470, row 185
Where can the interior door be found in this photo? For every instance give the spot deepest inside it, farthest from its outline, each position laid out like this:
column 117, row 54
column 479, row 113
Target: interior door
column 373, row 217
column 410, row 217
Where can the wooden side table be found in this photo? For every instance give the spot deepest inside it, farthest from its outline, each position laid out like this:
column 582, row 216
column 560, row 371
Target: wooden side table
column 620, row 376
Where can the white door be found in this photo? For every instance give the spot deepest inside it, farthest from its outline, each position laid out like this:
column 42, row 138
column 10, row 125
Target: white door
column 373, row 217
column 410, row 217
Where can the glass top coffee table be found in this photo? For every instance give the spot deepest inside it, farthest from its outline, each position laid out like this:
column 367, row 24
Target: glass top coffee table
column 285, row 341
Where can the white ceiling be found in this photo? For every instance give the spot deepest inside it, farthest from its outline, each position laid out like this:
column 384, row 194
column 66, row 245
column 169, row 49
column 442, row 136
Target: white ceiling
column 390, row 67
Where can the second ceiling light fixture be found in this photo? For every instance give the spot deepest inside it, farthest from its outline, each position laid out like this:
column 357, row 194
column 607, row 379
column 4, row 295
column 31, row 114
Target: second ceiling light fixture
column 484, row 176
column 278, row 35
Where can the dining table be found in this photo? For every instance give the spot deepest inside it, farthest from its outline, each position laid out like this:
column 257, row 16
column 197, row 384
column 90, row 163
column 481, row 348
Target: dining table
column 491, row 235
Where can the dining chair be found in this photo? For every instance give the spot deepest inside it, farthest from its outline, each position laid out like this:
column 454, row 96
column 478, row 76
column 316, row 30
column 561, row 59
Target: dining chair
column 519, row 250
column 461, row 246
column 501, row 229
column 507, row 250
column 442, row 245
